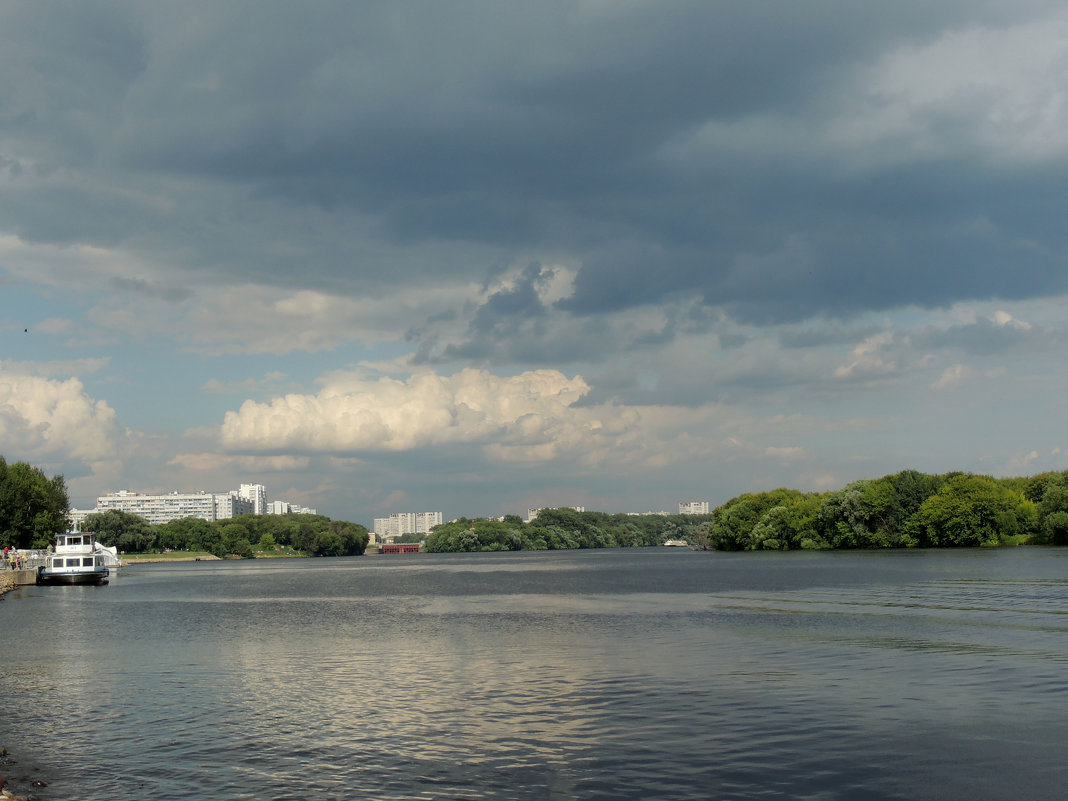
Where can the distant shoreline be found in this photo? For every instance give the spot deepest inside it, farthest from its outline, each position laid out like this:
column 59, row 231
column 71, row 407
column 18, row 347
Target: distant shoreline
column 197, row 556
column 138, row 559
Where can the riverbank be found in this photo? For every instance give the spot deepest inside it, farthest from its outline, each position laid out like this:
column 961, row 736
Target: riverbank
column 7, row 794
column 7, row 582
column 202, row 556
column 178, row 556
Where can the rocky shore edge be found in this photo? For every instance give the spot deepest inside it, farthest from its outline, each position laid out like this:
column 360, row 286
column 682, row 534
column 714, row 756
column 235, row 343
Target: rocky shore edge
column 8, row 795
column 7, row 583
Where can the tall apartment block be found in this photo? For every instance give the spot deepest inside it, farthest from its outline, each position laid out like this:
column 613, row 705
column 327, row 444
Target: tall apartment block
column 693, row 508
column 257, row 493
column 157, row 509
column 400, row 523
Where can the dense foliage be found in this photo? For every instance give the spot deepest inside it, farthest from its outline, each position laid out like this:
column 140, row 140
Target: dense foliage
column 239, row 536
column 907, row 509
column 33, row 507
column 558, row 529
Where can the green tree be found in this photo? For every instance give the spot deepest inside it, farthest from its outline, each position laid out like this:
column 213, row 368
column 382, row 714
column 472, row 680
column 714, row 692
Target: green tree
column 33, row 507
column 127, row 532
column 235, row 541
column 1056, row 528
column 1052, row 509
column 327, row 543
column 778, row 519
column 967, row 510
column 188, row 534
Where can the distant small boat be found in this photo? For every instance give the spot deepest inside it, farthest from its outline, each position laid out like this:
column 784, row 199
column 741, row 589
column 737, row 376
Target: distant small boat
column 77, row 560
column 676, row 543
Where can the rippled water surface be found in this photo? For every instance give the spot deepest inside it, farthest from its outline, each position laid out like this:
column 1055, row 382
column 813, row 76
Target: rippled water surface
column 623, row 674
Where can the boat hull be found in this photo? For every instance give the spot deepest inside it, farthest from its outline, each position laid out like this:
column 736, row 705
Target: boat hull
column 51, row 577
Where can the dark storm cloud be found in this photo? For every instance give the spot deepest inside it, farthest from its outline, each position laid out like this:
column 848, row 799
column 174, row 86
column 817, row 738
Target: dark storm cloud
column 343, row 146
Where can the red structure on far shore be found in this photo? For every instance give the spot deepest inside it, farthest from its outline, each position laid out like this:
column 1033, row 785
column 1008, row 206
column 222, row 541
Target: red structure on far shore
column 401, row 547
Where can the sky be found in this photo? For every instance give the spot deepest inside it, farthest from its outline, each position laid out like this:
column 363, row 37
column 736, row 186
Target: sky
column 477, row 257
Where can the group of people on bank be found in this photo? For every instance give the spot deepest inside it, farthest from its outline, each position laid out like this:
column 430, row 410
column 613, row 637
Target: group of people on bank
column 13, row 559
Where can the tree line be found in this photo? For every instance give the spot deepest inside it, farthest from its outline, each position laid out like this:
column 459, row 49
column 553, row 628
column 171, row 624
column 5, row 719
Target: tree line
column 244, row 535
column 905, row 510
column 560, row 529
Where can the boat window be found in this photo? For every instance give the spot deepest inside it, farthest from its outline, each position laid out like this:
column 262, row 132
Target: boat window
column 87, row 561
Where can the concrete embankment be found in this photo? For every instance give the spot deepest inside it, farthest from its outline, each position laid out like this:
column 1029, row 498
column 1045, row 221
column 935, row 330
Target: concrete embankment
column 10, row 579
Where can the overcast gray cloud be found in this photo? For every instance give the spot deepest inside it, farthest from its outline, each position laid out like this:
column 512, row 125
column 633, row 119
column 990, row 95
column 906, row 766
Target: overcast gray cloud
column 623, row 133
column 687, row 205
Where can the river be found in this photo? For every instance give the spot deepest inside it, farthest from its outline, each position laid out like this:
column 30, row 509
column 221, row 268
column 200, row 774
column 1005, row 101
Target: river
column 616, row 674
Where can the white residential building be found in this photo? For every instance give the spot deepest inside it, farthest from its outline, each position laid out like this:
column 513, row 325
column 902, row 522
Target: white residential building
column 232, row 505
column 693, row 507
column 400, row 523
column 424, row 521
column 157, row 509
column 286, row 508
column 257, row 493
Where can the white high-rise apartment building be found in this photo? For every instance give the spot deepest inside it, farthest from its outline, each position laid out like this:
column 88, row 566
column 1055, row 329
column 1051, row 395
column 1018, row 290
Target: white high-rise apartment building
column 400, row 523
column 257, row 493
column 693, row 508
column 157, row 509
column 285, row 508
column 424, row 521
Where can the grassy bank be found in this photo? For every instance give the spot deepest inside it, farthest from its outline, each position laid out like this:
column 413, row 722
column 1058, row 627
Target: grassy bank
column 172, row 556
column 203, row 556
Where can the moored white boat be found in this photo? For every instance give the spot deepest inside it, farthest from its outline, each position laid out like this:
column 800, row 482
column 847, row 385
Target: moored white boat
column 77, row 559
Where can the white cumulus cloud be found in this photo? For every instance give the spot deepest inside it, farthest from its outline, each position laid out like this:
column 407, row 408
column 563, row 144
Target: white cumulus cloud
column 355, row 413
column 43, row 418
